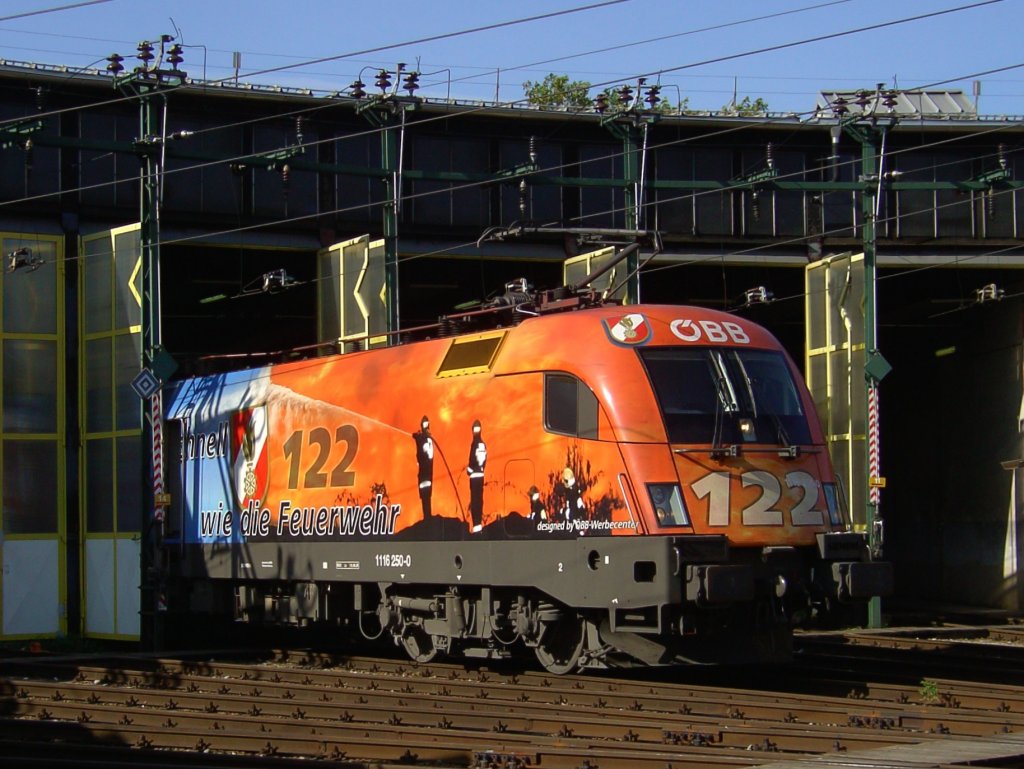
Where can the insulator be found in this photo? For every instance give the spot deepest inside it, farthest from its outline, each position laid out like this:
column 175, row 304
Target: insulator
column 447, row 327
column 890, row 99
column 411, row 82
column 601, row 103
column 115, row 66
column 285, row 173
column 755, row 206
column 516, row 293
column 356, row 89
column 862, row 100
column 383, row 80
column 145, row 54
column 298, row 130
column 769, row 155
column 990, row 203
column 174, row 57
column 625, row 95
column 839, row 107
column 652, row 97
column 533, row 149
column 522, row 198
column 1002, row 155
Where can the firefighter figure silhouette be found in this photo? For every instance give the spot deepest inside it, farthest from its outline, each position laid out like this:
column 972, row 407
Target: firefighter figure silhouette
column 475, row 470
column 573, row 507
column 425, row 464
column 537, row 510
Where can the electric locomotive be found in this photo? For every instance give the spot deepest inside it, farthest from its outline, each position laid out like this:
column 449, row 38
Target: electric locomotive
column 602, row 484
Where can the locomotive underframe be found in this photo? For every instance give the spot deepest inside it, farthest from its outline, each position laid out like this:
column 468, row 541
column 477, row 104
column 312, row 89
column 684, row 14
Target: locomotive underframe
column 586, row 602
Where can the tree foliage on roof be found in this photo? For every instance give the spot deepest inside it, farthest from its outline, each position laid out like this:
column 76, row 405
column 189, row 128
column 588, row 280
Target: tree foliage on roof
column 558, row 92
column 746, row 107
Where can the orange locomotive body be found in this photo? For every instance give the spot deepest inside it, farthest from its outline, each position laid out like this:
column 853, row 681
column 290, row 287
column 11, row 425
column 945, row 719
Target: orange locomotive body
column 606, row 486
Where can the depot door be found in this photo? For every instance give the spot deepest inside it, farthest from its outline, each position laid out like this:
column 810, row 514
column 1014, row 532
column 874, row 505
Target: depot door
column 32, row 438
column 835, row 367
column 110, row 356
column 351, row 296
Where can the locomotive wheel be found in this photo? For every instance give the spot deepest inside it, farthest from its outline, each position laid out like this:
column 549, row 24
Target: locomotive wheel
column 418, row 644
column 561, row 644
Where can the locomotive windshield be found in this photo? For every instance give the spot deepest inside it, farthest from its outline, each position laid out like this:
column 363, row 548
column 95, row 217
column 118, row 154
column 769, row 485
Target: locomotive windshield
column 720, row 396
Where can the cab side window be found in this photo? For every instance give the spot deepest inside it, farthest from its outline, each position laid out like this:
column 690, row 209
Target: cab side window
column 570, row 407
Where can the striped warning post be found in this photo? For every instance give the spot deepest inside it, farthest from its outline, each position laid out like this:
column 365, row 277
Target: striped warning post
column 875, row 493
column 156, row 413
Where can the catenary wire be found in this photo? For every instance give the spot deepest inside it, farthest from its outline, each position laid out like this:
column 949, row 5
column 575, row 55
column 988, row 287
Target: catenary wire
column 307, row 110
column 821, row 38
column 661, row 38
column 444, row 36
column 471, row 185
column 442, row 117
column 515, row 102
column 774, row 244
column 897, row 272
column 749, row 123
column 342, row 56
column 450, row 189
column 714, row 258
column 674, row 142
column 42, row 11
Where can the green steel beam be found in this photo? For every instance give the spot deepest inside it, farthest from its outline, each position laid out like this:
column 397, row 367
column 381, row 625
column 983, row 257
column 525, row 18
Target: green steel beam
column 980, row 183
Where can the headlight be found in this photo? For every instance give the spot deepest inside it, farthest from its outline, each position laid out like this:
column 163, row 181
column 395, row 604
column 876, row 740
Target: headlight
column 747, row 431
column 667, row 501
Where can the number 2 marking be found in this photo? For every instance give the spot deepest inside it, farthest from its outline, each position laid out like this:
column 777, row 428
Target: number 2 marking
column 761, row 512
column 803, row 512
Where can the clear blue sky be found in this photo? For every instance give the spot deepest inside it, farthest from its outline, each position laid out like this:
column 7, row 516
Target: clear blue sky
column 602, row 45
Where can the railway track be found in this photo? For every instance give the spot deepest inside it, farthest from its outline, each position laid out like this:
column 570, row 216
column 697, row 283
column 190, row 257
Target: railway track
column 981, row 654
column 287, row 707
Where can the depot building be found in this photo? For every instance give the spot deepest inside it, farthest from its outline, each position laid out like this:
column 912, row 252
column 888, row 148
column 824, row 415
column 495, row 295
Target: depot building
column 286, row 223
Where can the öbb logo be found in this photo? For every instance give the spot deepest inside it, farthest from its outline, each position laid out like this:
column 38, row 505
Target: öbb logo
column 710, row 330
